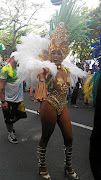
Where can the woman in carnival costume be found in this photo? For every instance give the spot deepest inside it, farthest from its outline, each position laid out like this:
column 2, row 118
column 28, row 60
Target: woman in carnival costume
column 54, row 109
column 57, row 74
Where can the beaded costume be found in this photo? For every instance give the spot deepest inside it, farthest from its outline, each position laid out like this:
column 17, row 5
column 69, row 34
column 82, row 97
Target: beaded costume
column 57, row 90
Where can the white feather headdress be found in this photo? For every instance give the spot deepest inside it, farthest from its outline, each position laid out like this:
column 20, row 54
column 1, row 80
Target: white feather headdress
column 28, row 58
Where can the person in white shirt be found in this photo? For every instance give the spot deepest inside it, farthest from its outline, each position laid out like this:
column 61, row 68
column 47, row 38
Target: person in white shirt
column 11, row 94
column 72, row 57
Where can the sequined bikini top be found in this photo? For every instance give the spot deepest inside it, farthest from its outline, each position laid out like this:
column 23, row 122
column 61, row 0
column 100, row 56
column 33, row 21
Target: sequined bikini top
column 61, row 82
column 58, row 88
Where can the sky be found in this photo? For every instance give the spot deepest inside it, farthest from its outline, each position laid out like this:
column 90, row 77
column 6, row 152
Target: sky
column 92, row 3
column 45, row 14
column 48, row 10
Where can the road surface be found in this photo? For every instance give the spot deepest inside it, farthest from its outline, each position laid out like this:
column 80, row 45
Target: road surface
column 19, row 161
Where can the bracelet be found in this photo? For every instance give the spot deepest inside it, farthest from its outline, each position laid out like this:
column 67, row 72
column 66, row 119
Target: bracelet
column 3, row 101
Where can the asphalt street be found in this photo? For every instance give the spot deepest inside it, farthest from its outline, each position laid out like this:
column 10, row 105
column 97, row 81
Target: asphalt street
column 19, row 161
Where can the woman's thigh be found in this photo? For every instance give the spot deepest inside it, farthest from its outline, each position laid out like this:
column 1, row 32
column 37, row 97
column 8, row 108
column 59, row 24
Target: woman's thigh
column 48, row 118
column 48, row 113
column 65, row 126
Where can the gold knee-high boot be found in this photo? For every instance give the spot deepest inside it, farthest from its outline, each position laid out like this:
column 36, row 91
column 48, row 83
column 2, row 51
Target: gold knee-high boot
column 42, row 163
column 68, row 165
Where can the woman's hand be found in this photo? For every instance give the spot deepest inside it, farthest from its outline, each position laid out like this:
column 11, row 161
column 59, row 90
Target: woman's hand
column 43, row 74
column 46, row 71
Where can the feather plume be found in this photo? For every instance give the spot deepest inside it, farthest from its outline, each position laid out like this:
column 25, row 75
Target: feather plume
column 70, row 14
column 75, row 72
column 27, row 55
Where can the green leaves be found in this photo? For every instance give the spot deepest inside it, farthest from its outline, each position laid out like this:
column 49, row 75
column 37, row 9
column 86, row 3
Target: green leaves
column 70, row 14
column 15, row 17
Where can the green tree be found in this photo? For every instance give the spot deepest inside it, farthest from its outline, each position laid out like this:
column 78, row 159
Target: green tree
column 15, row 18
column 96, row 24
column 83, row 48
column 6, row 38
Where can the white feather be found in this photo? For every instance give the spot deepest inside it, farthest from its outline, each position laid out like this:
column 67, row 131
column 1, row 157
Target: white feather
column 75, row 72
column 27, row 55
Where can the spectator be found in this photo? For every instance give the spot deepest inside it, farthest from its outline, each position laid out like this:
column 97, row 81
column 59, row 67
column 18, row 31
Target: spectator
column 72, row 57
column 11, row 94
column 88, row 75
column 74, row 95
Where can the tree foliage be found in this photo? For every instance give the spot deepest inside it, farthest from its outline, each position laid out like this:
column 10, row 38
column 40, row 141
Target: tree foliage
column 94, row 24
column 15, row 19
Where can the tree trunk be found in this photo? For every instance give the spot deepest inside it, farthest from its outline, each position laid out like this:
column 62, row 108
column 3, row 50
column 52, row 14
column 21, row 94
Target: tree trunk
column 12, row 48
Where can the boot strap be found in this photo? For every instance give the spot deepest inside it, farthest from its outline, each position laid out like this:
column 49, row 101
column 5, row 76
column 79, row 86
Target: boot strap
column 45, row 175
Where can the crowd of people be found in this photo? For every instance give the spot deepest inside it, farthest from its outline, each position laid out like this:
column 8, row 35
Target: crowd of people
column 77, row 93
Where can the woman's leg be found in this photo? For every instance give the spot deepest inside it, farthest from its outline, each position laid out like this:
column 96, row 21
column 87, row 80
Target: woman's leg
column 65, row 126
column 66, row 129
column 48, row 117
